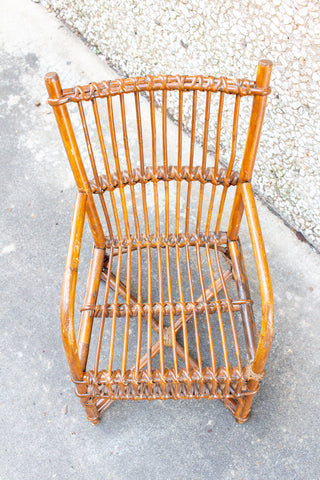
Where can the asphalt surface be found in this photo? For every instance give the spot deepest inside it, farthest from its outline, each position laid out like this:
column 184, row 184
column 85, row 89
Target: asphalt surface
column 44, row 431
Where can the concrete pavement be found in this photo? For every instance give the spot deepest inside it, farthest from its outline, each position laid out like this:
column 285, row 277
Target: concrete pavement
column 44, row 432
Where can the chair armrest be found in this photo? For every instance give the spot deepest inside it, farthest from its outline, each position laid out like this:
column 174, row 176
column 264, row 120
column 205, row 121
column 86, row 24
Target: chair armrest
column 69, row 287
column 266, row 333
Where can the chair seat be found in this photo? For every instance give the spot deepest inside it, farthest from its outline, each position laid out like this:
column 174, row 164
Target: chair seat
column 192, row 306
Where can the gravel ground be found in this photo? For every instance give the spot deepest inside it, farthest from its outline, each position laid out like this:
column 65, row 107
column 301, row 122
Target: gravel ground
column 228, row 38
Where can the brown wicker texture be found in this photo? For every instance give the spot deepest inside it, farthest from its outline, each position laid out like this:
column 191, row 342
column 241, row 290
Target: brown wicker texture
column 167, row 312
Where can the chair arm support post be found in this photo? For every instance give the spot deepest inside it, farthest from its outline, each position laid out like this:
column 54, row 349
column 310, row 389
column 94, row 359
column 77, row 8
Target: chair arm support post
column 70, row 144
column 252, row 142
column 69, row 287
column 266, row 333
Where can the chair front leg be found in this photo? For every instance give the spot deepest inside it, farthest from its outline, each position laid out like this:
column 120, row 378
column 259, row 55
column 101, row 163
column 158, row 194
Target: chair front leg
column 256, row 368
column 67, row 305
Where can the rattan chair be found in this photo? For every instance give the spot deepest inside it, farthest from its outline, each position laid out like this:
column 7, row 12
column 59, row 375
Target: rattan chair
column 167, row 312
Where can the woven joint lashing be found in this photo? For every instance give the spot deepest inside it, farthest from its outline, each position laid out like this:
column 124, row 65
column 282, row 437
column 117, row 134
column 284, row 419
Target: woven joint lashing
column 242, row 87
column 202, row 175
column 144, row 386
column 165, row 309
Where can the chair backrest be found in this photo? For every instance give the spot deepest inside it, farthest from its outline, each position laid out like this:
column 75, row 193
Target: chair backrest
column 158, row 180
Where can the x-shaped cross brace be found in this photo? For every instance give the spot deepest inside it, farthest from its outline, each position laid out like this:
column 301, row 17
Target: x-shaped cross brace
column 103, row 404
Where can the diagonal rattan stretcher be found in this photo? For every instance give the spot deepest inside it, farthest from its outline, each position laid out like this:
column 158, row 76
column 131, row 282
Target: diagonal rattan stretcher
column 167, row 312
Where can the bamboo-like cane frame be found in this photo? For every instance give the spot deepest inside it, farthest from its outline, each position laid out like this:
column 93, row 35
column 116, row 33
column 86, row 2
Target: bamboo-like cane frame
column 167, row 259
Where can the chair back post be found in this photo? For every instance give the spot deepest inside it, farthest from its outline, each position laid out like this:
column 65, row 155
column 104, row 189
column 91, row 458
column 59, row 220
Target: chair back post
column 70, row 144
column 250, row 151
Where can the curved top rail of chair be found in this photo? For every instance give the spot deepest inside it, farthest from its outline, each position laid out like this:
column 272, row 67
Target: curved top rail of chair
column 242, row 87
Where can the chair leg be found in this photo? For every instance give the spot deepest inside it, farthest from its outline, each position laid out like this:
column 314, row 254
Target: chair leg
column 92, row 413
column 240, row 277
column 86, row 319
column 243, row 414
column 239, row 408
column 89, row 404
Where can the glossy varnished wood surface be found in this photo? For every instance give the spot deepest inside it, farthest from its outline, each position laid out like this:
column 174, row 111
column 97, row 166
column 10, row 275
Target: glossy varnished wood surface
column 123, row 237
